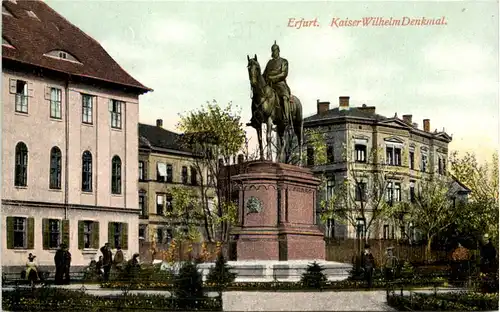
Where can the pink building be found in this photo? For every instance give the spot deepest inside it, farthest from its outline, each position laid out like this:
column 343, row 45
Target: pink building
column 69, row 139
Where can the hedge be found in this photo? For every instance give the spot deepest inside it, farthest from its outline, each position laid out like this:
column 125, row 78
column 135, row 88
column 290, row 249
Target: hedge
column 459, row 301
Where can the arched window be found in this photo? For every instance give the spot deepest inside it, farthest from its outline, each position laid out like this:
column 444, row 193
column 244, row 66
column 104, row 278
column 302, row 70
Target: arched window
column 21, row 168
column 87, row 171
column 55, row 168
column 116, row 175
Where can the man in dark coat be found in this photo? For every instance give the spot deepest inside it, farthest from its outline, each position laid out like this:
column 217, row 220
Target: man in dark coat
column 107, row 260
column 369, row 265
column 66, row 265
column 59, row 262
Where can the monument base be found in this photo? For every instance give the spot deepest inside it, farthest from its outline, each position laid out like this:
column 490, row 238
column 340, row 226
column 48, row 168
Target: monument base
column 277, row 215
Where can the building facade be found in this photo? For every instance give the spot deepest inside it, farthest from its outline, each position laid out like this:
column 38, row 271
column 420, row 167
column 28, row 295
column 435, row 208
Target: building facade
column 69, row 128
column 357, row 141
column 164, row 163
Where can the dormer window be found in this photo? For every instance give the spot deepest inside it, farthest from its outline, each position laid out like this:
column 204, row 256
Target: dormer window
column 62, row 55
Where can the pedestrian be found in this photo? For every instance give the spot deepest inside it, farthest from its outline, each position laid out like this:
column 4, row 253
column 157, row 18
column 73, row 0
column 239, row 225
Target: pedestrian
column 98, row 266
column 107, row 259
column 391, row 262
column 67, row 265
column 59, row 262
column 32, row 269
column 119, row 259
column 369, row 265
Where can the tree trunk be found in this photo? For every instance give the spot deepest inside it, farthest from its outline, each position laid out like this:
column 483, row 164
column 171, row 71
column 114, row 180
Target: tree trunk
column 428, row 248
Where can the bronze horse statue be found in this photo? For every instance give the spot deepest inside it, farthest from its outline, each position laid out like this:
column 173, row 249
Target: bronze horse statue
column 266, row 108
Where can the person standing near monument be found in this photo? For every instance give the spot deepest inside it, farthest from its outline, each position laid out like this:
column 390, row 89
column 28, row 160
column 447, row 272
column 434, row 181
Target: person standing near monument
column 391, row 262
column 275, row 75
column 369, row 265
column 107, row 259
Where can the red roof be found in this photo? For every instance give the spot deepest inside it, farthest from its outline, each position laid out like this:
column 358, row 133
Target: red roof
column 35, row 35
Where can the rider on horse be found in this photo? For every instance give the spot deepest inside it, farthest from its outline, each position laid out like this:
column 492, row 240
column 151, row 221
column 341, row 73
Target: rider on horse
column 275, row 75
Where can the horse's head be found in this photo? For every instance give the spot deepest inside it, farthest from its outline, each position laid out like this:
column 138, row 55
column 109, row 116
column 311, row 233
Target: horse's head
column 253, row 70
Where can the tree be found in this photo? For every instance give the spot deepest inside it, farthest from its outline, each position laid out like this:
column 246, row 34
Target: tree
column 433, row 209
column 220, row 276
column 481, row 213
column 186, row 210
column 213, row 133
column 363, row 193
column 188, row 287
column 313, row 277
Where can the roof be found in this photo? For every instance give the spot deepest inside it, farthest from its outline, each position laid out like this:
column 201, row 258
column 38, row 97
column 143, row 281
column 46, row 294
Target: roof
column 351, row 112
column 34, row 29
column 461, row 187
column 154, row 137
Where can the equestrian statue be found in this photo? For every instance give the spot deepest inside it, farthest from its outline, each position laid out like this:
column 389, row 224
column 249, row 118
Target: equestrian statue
column 273, row 104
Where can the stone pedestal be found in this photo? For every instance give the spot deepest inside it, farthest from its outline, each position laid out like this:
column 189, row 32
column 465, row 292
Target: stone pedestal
column 276, row 217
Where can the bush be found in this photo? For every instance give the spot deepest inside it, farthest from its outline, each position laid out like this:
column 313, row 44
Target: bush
column 220, row 275
column 188, row 286
column 314, row 276
column 460, row 301
column 55, row 299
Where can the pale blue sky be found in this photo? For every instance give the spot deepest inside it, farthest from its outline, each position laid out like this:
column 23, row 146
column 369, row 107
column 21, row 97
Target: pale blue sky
column 193, row 52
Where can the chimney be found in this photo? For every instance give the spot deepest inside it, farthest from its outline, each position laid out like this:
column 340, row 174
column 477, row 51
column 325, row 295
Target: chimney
column 427, row 125
column 407, row 119
column 343, row 102
column 323, row 107
column 367, row 109
column 415, row 125
column 159, row 123
column 241, row 159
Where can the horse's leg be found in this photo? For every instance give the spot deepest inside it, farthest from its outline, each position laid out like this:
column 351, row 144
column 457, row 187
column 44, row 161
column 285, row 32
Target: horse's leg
column 282, row 143
column 259, row 138
column 269, row 129
column 298, row 132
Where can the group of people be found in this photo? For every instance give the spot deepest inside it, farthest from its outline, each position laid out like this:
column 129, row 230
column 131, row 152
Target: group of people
column 62, row 261
column 107, row 261
column 368, row 263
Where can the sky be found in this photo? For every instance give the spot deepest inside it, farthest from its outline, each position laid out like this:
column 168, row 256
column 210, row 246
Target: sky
column 193, row 52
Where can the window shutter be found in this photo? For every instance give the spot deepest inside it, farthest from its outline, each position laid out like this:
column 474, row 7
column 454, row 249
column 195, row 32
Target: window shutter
column 10, row 232
column 45, row 233
column 47, row 93
column 95, row 235
column 65, row 232
column 30, row 89
column 13, row 86
column 111, row 232
column 31, row 233
column 124, row 238
column 80, row 234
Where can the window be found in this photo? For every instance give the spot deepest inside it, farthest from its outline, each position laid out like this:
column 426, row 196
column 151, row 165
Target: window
column 441, row 166
column 115, row 108
column 87, row 171
column 412, row 159
column 20, row 232
column 160, row 203
column 360, row 150
column 361, row 191
column 310, row 156
column 159, row 236
column 184, row 175
column 116, row 231
column 116, row 175
column 142, row 232
column 55, row 168
column 424, row 161
column 142, row 203
column 210, row 178
column 21, row 169
column 54, row 233
column 55, row 103
column 88, row 228
column 386, row 231
column 170, row 175
column 169, row 235
column 330, row 228
column 21, row 96
column 412, row 191
column 87, row 106
column 390, row 194
column 161, row 172
column 194, row 177
column 169, row 203
column 393, row 155
column 329, row 154
column 330, row 188
column 397, row 191
column 142, row 171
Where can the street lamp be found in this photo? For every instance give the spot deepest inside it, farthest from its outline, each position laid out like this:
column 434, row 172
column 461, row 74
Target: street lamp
column 360, row 229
